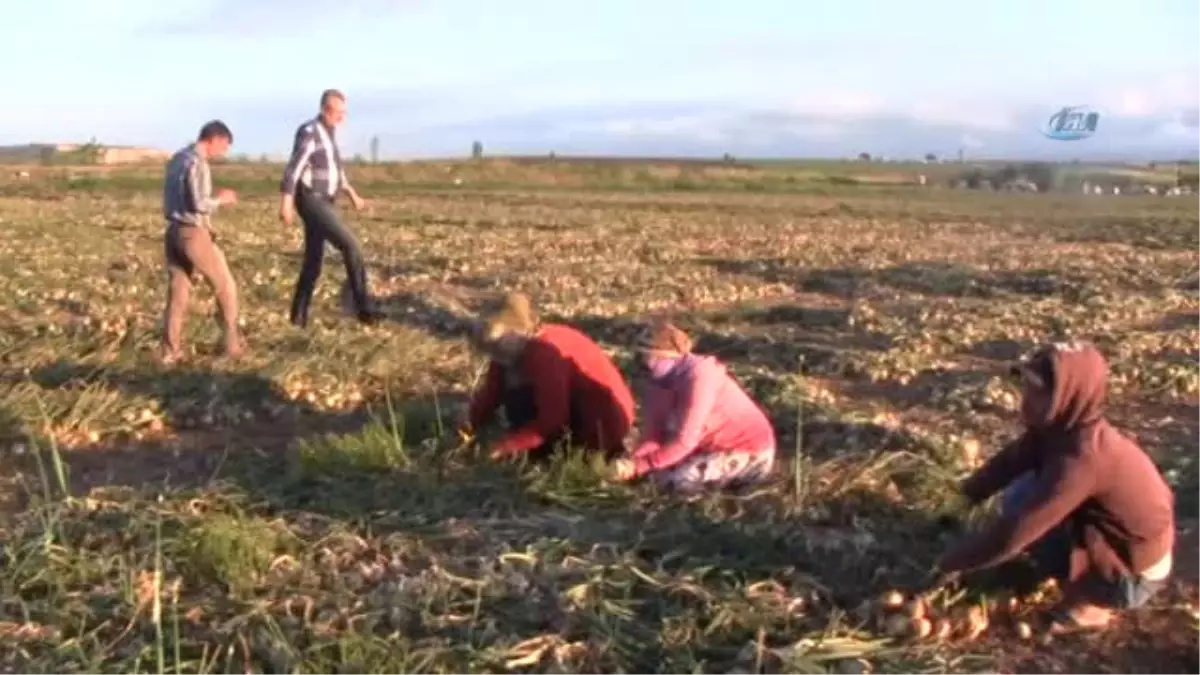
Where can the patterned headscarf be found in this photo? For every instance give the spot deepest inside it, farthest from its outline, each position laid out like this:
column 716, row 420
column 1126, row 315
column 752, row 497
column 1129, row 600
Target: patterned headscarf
column 662, row 336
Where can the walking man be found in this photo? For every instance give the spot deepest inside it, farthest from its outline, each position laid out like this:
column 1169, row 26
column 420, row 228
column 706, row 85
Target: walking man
column 189, row 242
column 312, row 180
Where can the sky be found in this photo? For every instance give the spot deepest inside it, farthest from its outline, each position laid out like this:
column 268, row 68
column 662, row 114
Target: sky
column 754, row 78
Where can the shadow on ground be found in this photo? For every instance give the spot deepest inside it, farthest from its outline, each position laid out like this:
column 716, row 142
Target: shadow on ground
column 843, row 542
column 333, row 268
column 415, row 311
column 215, row 421
column 464, row 512
column 784, row 337
column 1171, row 231
column 1178, row 320
column 927, row 277
column 949, row 388
column 406, row 473
column 846, row 540
column 1001, row 350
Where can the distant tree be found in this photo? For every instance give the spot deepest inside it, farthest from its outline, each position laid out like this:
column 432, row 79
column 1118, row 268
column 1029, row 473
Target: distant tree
column 1044, row 175
column 1006, row 174
column 91, row 152
column 264, row 158
column 930, row 157
column 727, row 158
column 374, row 149
column 477, row 150
column 552, row 155
column 972, row 178
column 864, row 156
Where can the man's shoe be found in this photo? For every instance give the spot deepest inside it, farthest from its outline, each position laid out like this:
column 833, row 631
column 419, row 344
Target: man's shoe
column 371, row 317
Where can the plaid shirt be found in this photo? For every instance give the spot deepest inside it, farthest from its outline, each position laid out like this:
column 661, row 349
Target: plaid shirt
column 316, row 161
column 187, row 190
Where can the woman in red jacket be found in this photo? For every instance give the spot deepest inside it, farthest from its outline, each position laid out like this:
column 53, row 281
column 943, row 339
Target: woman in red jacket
column 552, row 381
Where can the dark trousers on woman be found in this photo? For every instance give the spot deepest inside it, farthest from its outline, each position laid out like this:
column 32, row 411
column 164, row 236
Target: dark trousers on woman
column 321, row 225
column 1052, row 555
column 520, row 409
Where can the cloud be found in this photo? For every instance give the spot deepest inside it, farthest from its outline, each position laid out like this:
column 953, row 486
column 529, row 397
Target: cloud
column 1172, row 95
column 1176, row 129
column 845, row 128
column 700, row 127
column 845, row 108
column 954, row 113
column 814, row 130
column 845, row 121
column 1141, row 116
column 1156, row 95
column 846, row 104
column 970, row 142
column 1151, row 117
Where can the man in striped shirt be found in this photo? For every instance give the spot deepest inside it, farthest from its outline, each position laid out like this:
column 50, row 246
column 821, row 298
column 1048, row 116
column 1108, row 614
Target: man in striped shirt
column 312, row 180
column 189, row 243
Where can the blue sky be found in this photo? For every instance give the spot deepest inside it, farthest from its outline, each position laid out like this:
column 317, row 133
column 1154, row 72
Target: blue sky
column 751, row 77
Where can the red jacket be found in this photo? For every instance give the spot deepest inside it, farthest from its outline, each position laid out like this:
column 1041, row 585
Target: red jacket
column 576, row 386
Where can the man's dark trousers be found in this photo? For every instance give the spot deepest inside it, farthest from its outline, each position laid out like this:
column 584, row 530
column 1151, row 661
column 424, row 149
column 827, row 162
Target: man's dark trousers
column 321, row 225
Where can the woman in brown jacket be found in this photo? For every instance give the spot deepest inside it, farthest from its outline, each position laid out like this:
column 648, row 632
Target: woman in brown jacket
column 1083, row 498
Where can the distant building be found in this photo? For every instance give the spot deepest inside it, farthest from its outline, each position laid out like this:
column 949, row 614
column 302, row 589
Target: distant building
column 132, row 155
column 33, row 153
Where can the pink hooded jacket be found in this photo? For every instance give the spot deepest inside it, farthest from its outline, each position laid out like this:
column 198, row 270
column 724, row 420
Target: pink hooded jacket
column 698, row 407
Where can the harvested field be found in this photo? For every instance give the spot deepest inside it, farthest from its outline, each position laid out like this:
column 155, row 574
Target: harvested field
column 309, row 509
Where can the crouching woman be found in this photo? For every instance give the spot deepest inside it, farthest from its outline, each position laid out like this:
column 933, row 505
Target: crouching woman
column 700, row 428
column 553, row 383
column 1081, row 497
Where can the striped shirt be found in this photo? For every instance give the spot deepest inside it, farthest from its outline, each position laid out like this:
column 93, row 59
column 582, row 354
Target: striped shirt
column 187, row 190
column 316, row 162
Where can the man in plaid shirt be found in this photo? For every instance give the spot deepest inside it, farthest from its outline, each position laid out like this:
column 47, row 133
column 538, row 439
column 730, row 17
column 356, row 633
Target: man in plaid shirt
column 189, row 243
column 312, row 180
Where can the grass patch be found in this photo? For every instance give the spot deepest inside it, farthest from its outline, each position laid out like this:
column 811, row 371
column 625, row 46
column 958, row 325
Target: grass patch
column 234, row 551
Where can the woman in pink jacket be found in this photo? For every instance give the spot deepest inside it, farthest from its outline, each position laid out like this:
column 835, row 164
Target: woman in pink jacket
column 699, row 426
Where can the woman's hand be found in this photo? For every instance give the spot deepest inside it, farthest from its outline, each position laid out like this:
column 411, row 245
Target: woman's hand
column 462, row 424
column 622, row 470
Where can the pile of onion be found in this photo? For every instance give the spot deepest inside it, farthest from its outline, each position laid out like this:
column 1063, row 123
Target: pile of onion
column 911, row 618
